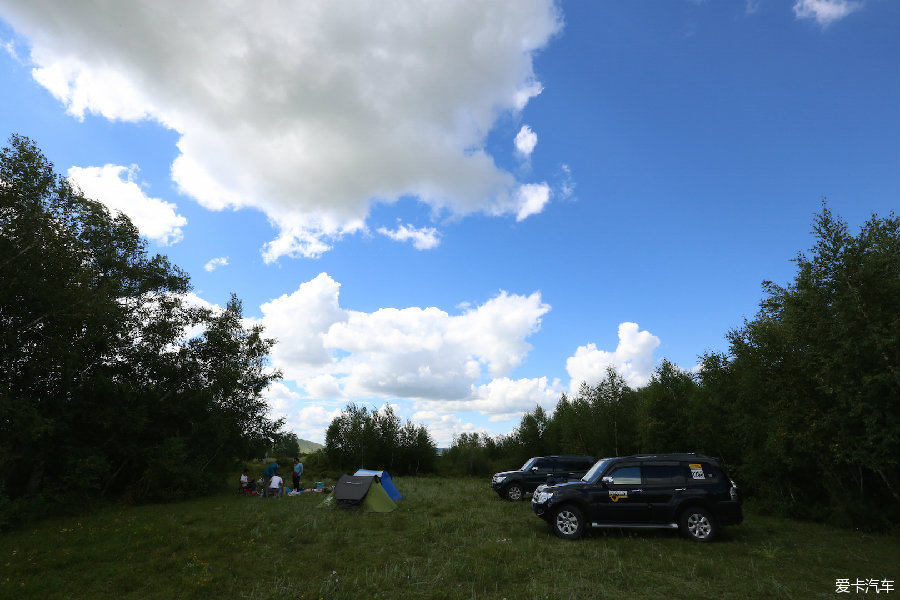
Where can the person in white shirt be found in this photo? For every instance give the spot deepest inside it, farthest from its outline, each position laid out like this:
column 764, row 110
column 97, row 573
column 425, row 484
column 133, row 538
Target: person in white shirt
column 246, row 484
column 276, row 485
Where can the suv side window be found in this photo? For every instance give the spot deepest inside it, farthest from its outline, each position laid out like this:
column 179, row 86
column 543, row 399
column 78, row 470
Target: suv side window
column 543, row 465
column 703, row 472
column 626, row 476
column 664, row 475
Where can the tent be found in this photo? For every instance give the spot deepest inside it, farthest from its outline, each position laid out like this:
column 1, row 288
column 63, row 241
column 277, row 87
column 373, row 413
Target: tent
column 363, row 491
column 385, row 478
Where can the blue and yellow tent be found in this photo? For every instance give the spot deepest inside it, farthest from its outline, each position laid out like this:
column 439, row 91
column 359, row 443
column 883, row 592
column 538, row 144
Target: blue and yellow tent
column 385, row 478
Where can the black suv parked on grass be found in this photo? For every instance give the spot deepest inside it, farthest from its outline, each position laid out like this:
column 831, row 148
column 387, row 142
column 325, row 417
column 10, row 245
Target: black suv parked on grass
column 689, row 492
column 512, row 485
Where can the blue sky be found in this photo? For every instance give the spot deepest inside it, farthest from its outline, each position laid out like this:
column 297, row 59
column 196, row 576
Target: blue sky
column 465, row 209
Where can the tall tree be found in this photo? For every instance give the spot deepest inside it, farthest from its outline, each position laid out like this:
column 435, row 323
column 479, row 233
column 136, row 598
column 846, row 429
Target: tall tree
column 358, row 438
column 666, row 424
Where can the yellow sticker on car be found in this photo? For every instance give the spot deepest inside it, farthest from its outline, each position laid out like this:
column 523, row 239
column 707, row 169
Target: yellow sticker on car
column 616, row 495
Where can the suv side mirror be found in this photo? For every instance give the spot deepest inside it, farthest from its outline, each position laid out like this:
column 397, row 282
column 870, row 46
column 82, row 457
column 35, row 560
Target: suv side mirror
column 534, row 469
column 606, row 480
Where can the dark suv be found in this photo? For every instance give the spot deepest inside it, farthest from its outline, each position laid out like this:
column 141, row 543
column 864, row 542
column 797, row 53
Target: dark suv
column 689, row 492
column 512, row 485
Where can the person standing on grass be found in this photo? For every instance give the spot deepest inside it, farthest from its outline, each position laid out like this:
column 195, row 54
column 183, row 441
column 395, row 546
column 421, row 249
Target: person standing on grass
column 296, row 473
column 276, row 485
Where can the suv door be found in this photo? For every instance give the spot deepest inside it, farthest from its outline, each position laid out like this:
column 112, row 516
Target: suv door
column 538, row 472
column 663, row 483
column 620, row 500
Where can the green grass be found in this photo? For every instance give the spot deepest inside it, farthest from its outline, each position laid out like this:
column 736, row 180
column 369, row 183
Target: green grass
column 449, row 538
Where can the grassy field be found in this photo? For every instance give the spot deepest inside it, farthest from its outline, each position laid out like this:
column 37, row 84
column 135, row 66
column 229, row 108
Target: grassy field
column 448, row 539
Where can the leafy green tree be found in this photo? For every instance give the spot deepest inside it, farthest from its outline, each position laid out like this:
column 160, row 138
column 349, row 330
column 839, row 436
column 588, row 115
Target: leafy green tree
column 287, row 444
column 613, row 404
column 815, row 376
column 358, row 438
column 666, row 423
column 99, row 391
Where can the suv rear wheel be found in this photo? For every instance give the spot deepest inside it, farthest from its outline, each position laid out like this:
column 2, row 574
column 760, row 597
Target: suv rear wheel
column 514, row 492
column 568, row 522
column 697, row 524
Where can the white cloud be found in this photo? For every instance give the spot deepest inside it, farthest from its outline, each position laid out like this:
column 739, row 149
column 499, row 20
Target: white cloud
column 308, row 421
column 504, row 399
column 412, row 353
column 525, row 141
column 323, row 386
column 443, row 426
column 825, row 12
column 10, row 48
column 154, row 218
column 425, row 238
column 567, row 186
column 532, row 199
column 632, row 358
column 307, row 111
column 299, row 322
column 221, row 261
column 193, row 299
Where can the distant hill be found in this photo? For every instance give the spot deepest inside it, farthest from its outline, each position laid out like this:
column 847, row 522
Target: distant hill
column 307, row 446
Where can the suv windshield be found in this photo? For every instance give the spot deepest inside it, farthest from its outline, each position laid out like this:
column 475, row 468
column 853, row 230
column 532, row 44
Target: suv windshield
column 528, row 463
column 592, row 475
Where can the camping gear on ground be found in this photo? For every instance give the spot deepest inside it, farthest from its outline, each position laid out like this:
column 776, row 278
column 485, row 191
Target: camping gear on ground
column 360, row 491
column 385, row 478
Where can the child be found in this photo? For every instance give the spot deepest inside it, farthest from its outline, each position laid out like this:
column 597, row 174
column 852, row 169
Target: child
column 247, row 486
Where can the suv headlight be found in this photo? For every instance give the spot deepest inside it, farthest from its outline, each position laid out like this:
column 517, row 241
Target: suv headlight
column 541, row 496
column 498, row 478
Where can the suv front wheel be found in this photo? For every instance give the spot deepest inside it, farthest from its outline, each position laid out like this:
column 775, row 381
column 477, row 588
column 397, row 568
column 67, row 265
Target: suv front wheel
column 697, row 524
column 568, row 522
column 514, row 492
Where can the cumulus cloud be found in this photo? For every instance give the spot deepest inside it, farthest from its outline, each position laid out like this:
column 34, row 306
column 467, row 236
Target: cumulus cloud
column 308, row 421
column 444, row 426
column 413, row 353
column 525, row 141
column 506, row 398
column 309, row 112
column 114, row 186
column 442, row 363
column 215, row 263
column 825, row 12
column 424, row 238
column 299, row 321
column 632, row 358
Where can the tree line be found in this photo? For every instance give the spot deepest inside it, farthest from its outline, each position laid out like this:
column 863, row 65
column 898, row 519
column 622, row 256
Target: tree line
column 102, row 395
column 377, row 439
